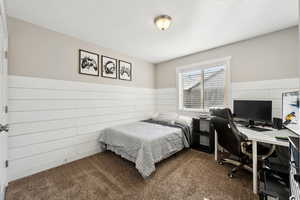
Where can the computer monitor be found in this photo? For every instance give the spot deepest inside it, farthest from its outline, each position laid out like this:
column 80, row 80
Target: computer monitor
column 290, row 110
column 253, row 110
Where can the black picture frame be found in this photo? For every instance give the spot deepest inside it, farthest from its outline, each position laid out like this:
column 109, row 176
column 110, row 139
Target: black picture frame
column 91, row 55
column 121, row 77
column 104, row 67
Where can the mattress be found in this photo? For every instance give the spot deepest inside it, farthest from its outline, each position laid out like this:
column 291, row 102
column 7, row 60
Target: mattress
column 144, row 143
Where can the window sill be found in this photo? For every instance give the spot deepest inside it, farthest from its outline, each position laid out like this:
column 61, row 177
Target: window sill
column 204, row 111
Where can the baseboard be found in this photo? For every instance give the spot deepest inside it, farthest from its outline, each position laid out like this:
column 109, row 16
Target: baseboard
column 3, row 190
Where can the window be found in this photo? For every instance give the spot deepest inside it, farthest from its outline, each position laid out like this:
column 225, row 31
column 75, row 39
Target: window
column 202, row 87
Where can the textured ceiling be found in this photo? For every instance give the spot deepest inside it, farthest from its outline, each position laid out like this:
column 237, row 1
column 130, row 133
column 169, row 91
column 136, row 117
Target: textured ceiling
column 127, row 25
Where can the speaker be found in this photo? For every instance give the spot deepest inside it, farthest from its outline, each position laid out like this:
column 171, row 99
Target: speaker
column 277, row 123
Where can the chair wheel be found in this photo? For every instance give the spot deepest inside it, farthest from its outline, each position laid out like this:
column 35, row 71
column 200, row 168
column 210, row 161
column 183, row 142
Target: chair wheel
column 233, row 171
column 230, row 175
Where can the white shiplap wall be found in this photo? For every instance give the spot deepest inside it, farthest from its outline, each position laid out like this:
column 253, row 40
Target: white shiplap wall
column 265, row 90
column 53, row 122
column 166, row 98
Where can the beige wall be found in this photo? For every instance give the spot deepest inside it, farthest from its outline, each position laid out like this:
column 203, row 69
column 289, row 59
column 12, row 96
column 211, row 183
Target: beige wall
column 38, row 52
column 272, row 56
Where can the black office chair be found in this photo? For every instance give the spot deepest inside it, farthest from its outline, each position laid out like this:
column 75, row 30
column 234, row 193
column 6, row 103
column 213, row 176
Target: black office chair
column 278, row 163
column 235, row 142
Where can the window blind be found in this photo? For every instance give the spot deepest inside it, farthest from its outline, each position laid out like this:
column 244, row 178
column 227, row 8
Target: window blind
column 192, row 89
column 214, row 81
column 203, row 88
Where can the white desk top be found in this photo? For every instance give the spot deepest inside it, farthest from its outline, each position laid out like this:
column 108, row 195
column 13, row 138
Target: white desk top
column 267, row 136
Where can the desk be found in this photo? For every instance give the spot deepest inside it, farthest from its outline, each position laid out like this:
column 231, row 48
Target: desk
column 255, row 137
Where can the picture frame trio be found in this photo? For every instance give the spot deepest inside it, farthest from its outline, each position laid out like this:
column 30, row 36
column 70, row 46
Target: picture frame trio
column 110, row 67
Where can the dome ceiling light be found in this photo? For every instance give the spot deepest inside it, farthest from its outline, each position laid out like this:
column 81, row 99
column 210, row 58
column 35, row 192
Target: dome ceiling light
column 163, row 22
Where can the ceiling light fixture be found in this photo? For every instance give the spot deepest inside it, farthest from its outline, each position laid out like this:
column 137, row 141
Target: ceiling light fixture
column 163, row 22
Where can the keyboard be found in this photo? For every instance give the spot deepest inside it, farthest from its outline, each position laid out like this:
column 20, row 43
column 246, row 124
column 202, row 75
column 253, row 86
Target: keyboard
column 258, row 129
column 254, row 128
column 241, row 123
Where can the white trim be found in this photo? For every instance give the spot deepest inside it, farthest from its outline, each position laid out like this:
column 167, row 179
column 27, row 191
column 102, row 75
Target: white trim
column 202, row 65
column 3, row 18
column 229, row 83
column 2, row 195
column 3, row 101
column 195, row 110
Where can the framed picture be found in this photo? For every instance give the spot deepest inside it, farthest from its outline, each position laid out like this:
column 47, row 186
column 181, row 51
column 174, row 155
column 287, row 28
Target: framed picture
column 109, row 67
column 125, row 70
column 88, row 63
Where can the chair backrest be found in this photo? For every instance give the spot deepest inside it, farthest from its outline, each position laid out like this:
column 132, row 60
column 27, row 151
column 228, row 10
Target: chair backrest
column 229, row 137
column 223, row 113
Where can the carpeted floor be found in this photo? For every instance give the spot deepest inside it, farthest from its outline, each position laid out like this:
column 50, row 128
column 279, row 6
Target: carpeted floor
column 190, row 175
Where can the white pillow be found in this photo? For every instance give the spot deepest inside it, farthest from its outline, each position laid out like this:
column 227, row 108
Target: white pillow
column 182, row 119
column 167, row 117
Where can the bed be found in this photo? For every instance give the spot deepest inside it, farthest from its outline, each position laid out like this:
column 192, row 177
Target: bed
column 146, row 142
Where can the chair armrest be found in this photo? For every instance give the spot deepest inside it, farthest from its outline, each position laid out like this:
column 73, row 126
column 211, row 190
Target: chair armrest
column 263, row 157
column 245, row 144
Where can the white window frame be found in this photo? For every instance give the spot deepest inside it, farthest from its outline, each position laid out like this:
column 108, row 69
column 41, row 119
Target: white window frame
column 200, row 66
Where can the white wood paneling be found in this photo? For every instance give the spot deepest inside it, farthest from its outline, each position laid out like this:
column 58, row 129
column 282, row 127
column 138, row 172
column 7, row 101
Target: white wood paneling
column 166, row 98
column 53, row 122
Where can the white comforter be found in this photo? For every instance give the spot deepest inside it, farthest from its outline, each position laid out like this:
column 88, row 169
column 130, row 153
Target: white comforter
column 144, row 143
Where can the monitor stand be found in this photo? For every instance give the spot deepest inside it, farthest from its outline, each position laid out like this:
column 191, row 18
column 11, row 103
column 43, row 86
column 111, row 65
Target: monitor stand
column 250, row 124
